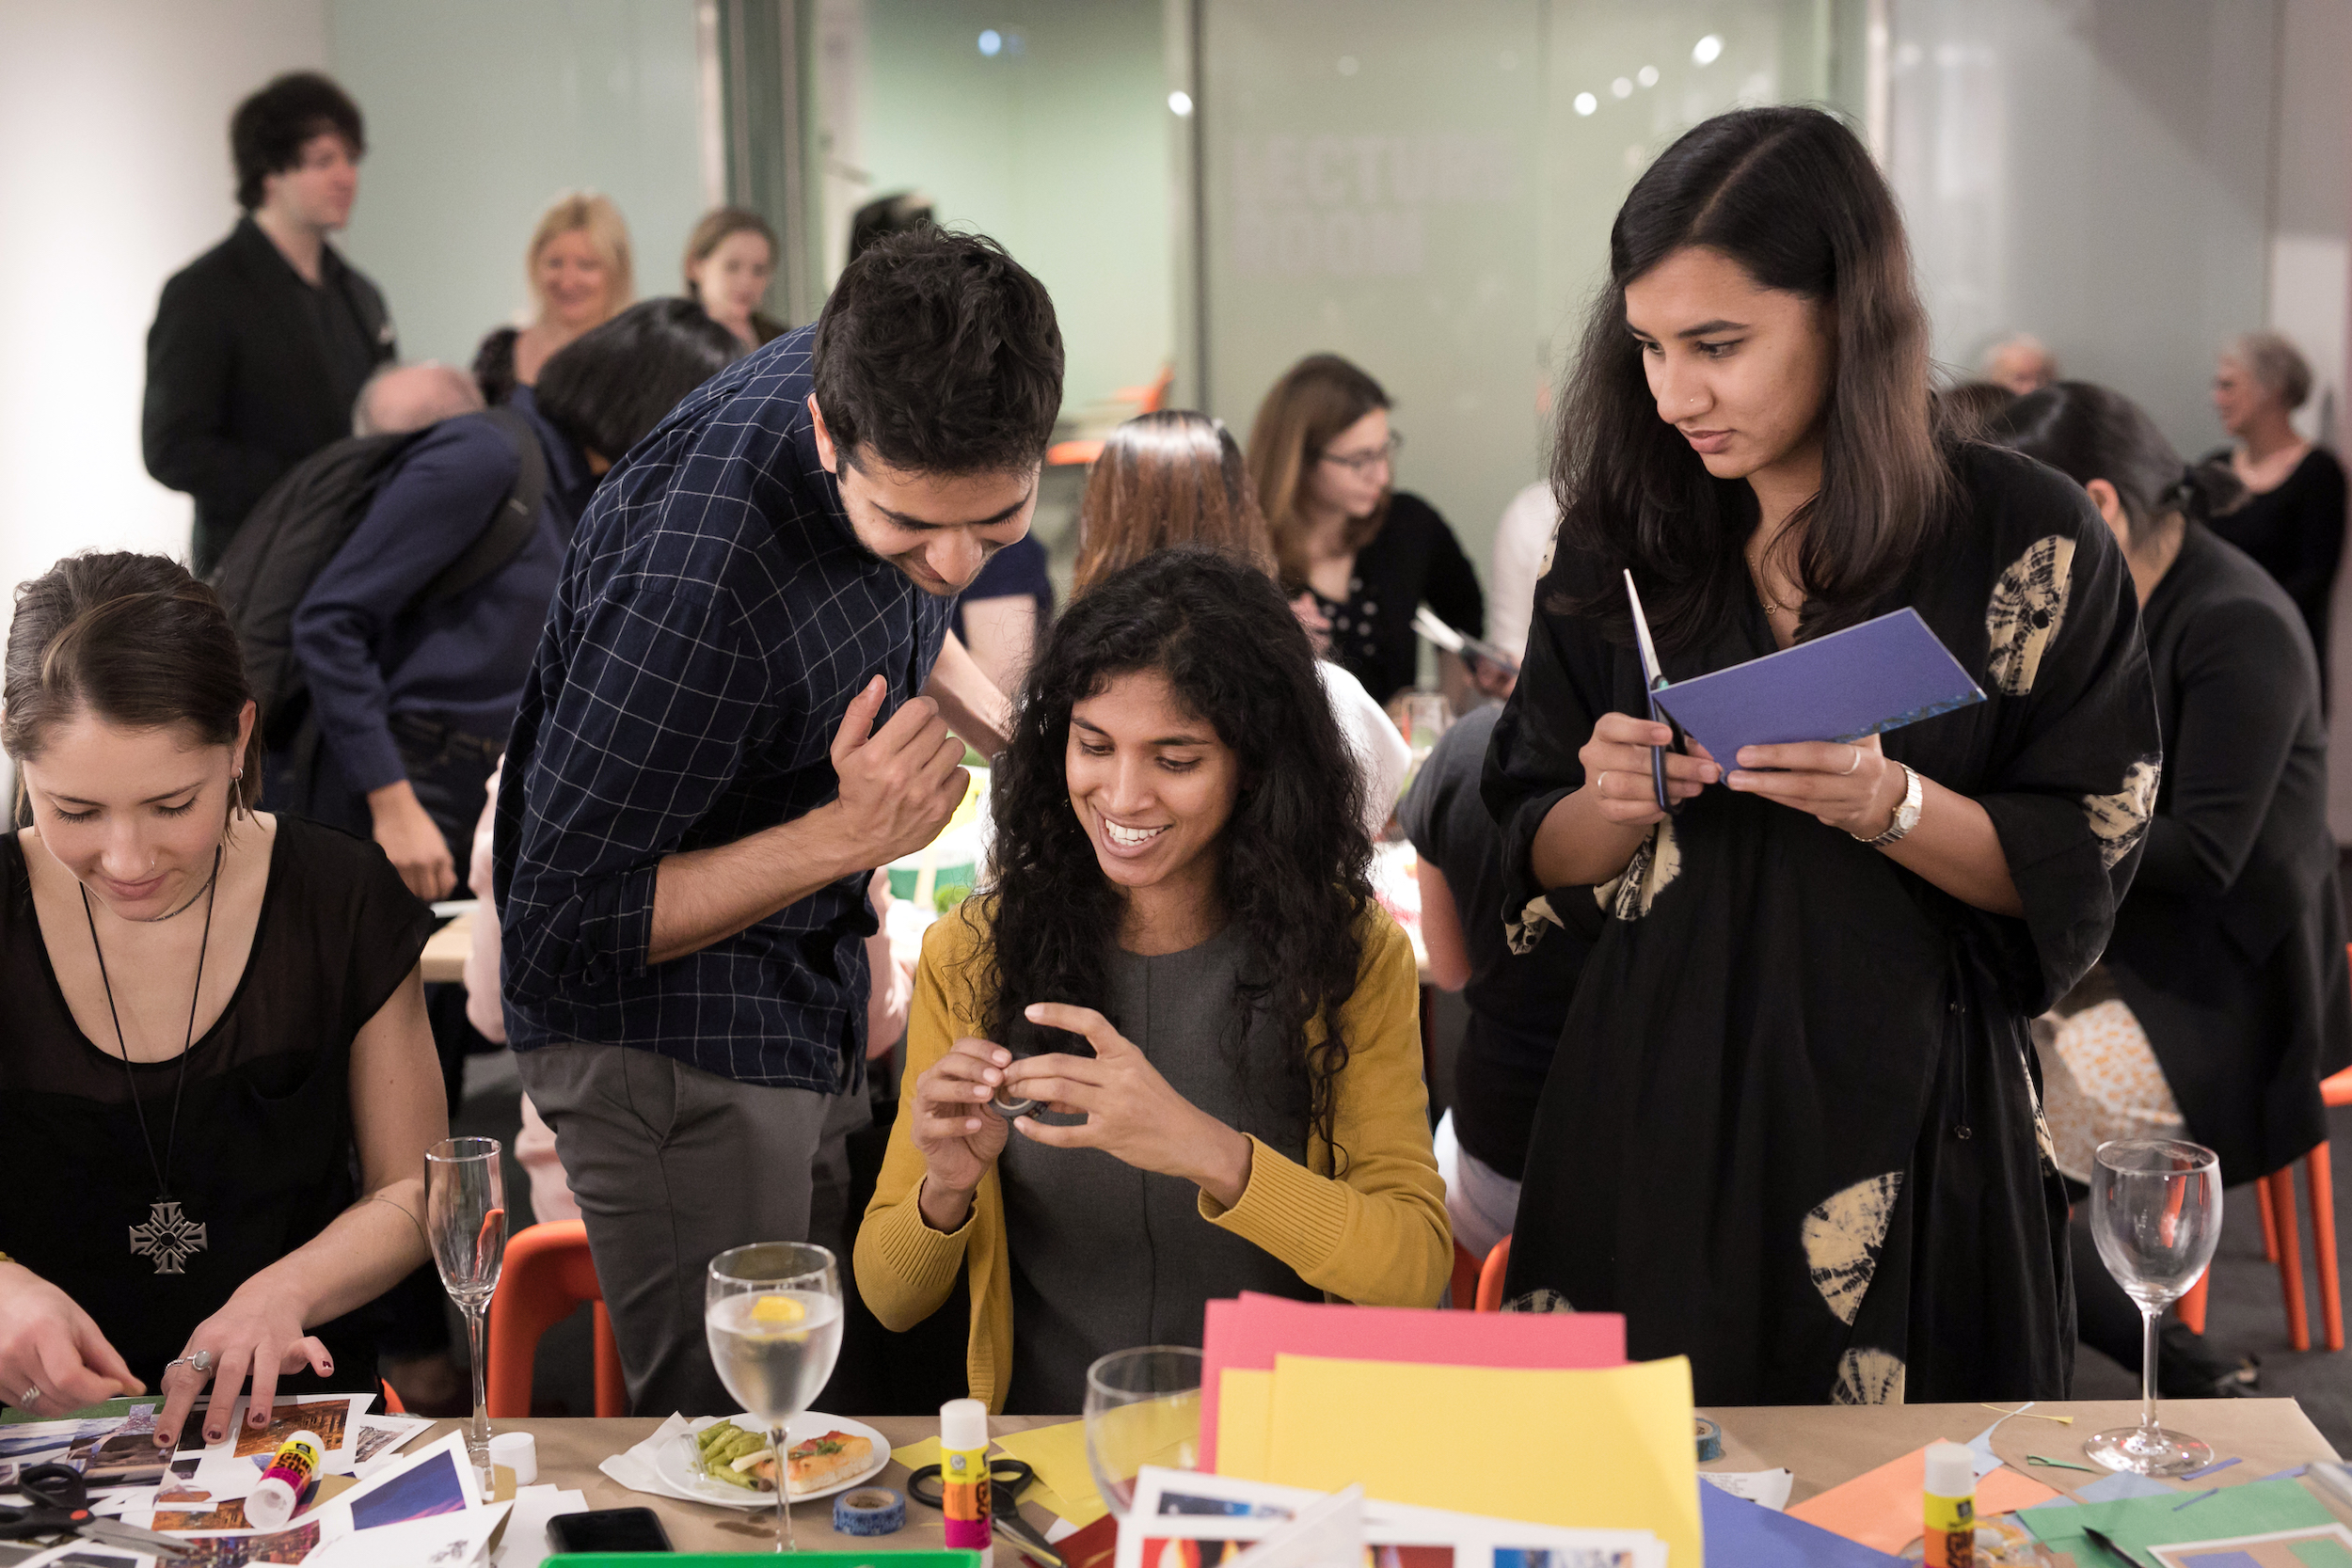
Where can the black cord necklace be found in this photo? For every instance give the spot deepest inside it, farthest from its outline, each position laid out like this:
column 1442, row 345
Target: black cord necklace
column 168, row 1236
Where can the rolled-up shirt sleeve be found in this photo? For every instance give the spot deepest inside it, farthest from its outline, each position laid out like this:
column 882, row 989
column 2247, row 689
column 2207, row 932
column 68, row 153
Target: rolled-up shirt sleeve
column 661, row 696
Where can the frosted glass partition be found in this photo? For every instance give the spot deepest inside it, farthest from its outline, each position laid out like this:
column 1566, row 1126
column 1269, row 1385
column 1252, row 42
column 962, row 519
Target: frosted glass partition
column 2096, row 172
column 1042, row 122
column 478, row 115
column 1428, row 190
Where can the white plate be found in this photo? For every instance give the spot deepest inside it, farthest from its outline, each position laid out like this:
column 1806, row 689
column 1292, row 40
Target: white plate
column 674, row 1467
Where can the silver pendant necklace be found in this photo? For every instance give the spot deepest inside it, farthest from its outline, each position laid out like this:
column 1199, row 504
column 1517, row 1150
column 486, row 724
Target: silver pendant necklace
column 169, row 1237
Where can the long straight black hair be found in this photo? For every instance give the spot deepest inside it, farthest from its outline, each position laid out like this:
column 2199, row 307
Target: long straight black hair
column 1791, row 196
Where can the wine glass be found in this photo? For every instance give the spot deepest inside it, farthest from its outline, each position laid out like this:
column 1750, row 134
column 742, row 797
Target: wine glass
column 465, row 1207
column 773, row 1313
column 1144, row 1407
column 2155, row 1211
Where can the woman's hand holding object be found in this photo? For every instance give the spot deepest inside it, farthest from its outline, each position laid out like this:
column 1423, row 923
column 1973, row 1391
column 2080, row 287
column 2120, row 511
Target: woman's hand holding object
column 1617, row 773
column 1850, row 785
column 958, row 1135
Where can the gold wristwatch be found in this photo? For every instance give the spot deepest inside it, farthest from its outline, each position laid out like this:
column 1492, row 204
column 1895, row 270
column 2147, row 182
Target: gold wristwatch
column 1906, row 814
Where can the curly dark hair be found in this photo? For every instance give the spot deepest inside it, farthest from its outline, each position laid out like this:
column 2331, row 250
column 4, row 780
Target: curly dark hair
column 1295, row 863
column 266, row 134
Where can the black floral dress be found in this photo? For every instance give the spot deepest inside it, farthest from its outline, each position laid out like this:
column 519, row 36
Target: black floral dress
column 1792, row 1128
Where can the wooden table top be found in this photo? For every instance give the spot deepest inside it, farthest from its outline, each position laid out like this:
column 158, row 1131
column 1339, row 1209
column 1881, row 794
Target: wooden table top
column 1824, row 1445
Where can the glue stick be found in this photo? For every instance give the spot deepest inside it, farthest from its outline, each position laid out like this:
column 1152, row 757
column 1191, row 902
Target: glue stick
column 964, row 1484
column 1950, row 1503
column 276, row 1496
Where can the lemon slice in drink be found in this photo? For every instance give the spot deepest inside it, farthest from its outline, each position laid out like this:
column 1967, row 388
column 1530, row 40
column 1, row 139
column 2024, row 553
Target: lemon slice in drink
column 778, row 1311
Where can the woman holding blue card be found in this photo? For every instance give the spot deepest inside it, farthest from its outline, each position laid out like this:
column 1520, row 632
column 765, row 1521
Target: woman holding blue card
column 1791, row 1129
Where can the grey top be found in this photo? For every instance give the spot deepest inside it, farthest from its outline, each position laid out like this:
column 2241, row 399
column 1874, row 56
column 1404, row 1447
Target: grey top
column 1105, row 1257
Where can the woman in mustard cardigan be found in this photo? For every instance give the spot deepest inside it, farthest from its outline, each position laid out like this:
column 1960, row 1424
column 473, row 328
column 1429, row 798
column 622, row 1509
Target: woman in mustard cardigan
column 1181, row 962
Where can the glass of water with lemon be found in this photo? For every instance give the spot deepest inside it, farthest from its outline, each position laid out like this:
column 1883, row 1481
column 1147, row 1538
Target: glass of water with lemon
column 773, row 1313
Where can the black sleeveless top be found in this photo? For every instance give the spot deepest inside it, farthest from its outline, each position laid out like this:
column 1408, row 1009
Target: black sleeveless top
column 264, row 1159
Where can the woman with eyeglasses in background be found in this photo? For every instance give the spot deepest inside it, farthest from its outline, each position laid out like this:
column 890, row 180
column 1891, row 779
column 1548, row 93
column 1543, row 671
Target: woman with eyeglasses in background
column 1362, row 555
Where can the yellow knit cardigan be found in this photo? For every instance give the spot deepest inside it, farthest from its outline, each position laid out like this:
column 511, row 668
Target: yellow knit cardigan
column 1378, row 1236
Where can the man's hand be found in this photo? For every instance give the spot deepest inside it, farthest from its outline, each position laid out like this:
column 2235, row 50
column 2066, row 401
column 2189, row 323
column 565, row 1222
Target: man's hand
column 899, row 783
column 412, row 840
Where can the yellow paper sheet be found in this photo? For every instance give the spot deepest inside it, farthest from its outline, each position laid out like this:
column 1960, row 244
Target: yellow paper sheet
column 1065, row 1487
column 1608, row 1449
column 915, row 1455
column 1245, row 1402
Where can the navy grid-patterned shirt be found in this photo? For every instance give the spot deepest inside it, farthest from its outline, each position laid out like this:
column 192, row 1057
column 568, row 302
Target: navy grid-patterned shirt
column 715, row 618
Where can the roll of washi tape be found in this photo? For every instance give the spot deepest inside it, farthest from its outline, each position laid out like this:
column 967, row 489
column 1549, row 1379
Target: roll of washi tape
column 1710, row 1440
column 869, row 1511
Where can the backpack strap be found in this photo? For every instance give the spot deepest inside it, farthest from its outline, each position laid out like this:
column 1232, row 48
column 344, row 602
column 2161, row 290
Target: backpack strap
column 510, row 527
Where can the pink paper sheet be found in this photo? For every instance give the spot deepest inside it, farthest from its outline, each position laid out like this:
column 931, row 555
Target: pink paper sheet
column 1249, row 1332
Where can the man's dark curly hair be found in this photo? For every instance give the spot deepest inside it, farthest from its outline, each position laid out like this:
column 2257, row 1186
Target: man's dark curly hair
column 938, row 354
column 1294, row 862
column 266, row 134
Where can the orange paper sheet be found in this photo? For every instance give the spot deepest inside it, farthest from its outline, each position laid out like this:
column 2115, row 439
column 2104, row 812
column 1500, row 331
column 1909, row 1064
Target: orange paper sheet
column 1882, row 1508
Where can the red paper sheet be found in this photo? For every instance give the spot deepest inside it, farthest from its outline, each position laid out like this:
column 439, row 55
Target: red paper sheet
column 1250, row 1331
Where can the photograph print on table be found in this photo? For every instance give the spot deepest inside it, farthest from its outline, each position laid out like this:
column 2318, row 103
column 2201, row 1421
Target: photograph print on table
column 326, row 1417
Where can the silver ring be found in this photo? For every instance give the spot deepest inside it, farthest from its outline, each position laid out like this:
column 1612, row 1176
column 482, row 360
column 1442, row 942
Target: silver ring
column 30, row 1398
column 201, row 1360
column 1851, row 766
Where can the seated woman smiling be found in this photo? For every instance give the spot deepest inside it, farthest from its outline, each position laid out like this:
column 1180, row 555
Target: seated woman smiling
column 216, row 1081
column 1180, row 958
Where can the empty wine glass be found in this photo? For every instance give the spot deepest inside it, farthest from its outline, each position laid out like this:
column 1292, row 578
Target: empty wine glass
column 1144, row 1407
column 2155, row 1211
column 772, row 1313
column 465, row 1207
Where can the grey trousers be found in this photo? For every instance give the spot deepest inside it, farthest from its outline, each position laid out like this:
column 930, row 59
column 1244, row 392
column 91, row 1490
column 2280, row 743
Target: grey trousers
column 671, row 1165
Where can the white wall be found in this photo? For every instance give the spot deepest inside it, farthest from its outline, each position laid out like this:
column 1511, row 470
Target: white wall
column 116, row 116
column 478, row 114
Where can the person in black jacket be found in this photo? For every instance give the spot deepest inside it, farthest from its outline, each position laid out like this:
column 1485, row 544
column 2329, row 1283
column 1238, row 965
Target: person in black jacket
column 2223, row 997
column 261, row 345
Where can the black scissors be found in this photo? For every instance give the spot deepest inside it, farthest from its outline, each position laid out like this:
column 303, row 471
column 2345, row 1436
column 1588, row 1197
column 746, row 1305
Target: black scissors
column 1008, row 1479
column 57, row 1503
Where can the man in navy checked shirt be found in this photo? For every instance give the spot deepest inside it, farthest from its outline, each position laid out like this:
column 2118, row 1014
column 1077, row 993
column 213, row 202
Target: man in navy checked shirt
column 723, row 733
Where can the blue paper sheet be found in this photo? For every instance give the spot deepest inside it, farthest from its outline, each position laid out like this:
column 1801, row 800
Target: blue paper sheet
column 1741, row 1534
column 1865, row 680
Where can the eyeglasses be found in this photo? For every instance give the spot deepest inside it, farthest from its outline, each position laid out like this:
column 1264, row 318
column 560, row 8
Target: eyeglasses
column 1363, row 462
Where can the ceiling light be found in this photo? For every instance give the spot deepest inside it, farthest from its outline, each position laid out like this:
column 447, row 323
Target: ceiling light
column 1621, row 87
column 1647, row 76
column 991, row 43
column 1180, row 102
column 1705, row 51
column 1587, row 102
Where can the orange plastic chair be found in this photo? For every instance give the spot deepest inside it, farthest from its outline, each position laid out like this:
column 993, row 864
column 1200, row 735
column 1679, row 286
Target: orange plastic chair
column 547, row 1273
column 2283, row 1242
column 1490, row 1276
column 1465, row 1292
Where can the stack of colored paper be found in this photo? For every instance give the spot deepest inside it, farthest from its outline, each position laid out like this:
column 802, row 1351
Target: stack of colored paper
column 1534, row 1417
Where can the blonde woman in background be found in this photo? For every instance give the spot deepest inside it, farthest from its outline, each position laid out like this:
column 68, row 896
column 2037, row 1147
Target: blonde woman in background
column 579, row 269
column 730, row 258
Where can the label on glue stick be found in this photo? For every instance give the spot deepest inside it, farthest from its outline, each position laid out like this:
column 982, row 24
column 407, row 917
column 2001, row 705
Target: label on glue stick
column 964, row 1497
column 276, row 1496
column 1951, row 1531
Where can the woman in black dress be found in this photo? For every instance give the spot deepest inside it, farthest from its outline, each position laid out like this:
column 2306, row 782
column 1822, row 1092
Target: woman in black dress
column 2293, row 520
column 1358, row 556
column 2225, row 978
column 212, row 1010
column 1791, row 1127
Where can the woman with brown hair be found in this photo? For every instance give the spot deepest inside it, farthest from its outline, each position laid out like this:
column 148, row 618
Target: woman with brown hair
column 1175, row 478
column 1792, row 1128
column 730, row 257
column 578, row 270
column 1322, row 460
column 216, row 1084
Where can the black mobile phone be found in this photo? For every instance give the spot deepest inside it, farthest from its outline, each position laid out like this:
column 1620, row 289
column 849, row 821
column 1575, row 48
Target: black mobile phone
column 609, row 1529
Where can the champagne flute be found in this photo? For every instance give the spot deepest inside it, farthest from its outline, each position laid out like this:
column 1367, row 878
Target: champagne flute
column 465, row 1206
column 1144, row 1407
column 772, row 1313
column 2155, row 1211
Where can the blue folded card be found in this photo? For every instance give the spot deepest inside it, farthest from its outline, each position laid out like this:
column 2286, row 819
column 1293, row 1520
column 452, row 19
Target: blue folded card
column 1865, row 680
column 1741, row 1534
